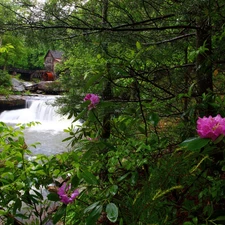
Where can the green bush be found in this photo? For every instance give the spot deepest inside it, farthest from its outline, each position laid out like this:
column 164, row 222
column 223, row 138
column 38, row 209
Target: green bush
column 5, row 79
column 5, row 83
column 24, row 179
column 128, row 178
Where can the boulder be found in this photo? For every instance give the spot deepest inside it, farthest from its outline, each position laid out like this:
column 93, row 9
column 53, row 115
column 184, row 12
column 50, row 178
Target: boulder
column 30, row 86
column 21, row 86
column 47, row 87
column 17, row 85
column 50, row 87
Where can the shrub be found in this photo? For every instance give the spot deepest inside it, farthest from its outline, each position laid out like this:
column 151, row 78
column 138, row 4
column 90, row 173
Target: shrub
column 5, row 79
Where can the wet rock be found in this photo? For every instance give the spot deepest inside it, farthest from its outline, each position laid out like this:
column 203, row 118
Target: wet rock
column 50, row 87
column 12, row 102
column 17, row 85
column 47, row 87
column 30, row 86
column 21, row 86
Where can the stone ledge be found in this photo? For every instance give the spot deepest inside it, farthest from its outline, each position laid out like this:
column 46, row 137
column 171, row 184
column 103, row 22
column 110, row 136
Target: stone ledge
column 12, row 102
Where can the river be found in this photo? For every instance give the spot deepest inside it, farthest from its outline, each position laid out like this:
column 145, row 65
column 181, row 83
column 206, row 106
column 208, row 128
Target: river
column 49, row 133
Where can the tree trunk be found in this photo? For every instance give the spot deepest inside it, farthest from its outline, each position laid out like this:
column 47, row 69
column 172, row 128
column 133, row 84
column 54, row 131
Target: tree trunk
column 204, row 62
column 107, row 92
column 106, row 95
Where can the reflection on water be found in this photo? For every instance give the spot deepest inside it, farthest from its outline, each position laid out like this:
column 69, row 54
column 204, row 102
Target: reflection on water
column 49, row 133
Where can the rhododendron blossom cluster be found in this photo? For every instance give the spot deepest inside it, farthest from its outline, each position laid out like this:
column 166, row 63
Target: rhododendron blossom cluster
column 211, row 127
column 64, row 194
column 94, row 100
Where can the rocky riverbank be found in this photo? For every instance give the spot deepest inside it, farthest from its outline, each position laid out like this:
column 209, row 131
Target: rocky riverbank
column 42, row 87
column 24, row 89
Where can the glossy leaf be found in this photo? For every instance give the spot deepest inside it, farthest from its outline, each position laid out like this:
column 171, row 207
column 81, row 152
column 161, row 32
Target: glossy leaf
column 91, row 207
column 112, row 212
column 113, row 190
column 194, row 144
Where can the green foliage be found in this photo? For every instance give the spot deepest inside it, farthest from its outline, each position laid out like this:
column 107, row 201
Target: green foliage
column 131, row 179
column 5, row 79
column 136, row 158
column 15, row 52
column 24, row 178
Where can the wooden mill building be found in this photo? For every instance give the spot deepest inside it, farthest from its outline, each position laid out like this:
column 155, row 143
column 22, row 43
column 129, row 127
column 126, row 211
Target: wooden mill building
column 50, row 60
column 48, row 73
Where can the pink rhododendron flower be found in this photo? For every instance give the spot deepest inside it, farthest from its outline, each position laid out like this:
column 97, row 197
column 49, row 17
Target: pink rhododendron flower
column 211, row 127
column 64, row 194
column 94, row 100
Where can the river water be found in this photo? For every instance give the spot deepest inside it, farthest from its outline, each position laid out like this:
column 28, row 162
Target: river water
column 49, row 133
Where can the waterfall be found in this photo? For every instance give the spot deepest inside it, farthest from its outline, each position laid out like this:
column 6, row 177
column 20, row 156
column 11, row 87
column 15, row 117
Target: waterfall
column 50, row 130
column 38, row 109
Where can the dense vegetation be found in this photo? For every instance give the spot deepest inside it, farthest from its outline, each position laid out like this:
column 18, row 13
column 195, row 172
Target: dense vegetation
column 152, row 69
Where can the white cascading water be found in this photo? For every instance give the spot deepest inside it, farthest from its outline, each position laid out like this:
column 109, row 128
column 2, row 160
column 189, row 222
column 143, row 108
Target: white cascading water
column 40, row 110
column 49, row 133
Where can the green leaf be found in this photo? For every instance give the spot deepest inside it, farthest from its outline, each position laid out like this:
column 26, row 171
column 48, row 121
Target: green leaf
column 2, row 212
column 91, row 207
column 22, row 216
column 123, row 177
column 106, row 104
column 190, row 90
column 9, row 164
column 112, row 212
column 91, row 117
column 194, row 144
column 59, row 213
column 188, row 223
column 81, row 114
column 17, row 205
column 88, row 177
column 113, row 189
column 75, row 181
column 92, row 80
column 138, row 45
column 93, row 217
column 220, row 218
column 8, row 176
column 141, row 128
column 219, row 139
column 67, row 139
column 195, row 220
column 38, row 194
column 53, row 197
column 110, row 146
